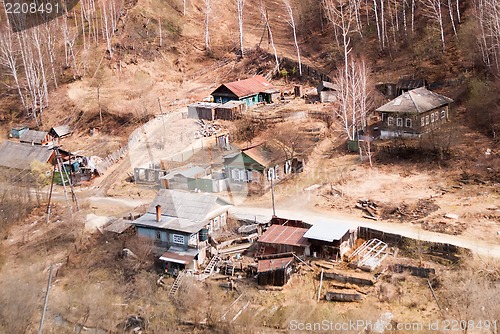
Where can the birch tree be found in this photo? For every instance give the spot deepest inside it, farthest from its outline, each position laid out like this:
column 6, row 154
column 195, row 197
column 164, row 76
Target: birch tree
column 208, row 8
column 433, row 11
column 264, row 14
column 353, row 95
column 291, row 22
column 9, row 60
column 239, row 4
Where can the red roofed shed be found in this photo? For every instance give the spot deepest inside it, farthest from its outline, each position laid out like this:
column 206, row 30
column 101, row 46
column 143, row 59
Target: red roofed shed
column 285, row 239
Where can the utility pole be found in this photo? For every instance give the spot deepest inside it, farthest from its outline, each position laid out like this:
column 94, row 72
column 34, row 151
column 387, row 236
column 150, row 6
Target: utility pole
column 272, row 175
column 47, row 218
column 49, row 281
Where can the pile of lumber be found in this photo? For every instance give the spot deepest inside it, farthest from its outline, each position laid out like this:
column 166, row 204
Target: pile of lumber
column 208, row 129
column 371, row 209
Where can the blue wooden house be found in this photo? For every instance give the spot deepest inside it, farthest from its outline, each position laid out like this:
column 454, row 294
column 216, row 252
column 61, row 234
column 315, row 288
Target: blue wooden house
column 180, row 223
column 251, row 91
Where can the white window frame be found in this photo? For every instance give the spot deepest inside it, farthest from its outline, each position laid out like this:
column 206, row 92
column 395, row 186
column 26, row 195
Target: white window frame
column 432, row 117
column 427, row 120
column 422, row 121
column 235, row 174
column 408, row 122
column 158, row 235
column 193, row 238
column 216, row 223
column 249, row 175
column 436, row 117
column 399, row 122
column 390, row 121
column 176, row 239
column 243, row 175
column 443, row 114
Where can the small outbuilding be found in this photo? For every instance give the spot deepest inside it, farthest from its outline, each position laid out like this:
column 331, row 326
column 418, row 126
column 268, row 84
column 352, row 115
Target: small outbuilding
column 279, row 239
column 202, row 110
column 275, row 271
column 17, row 131
column 35, row 137
column 327, row 92
column 19, row 156
column 230, row 110
column 331, row 240
column 61, row 131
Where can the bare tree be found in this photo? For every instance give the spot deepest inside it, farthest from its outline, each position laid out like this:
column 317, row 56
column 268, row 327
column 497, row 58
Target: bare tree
column 433, row 11
column 9, row 60
column 208, row 8
column 263, row 12
column 291, row 22
column 353, row 96
column 450, row 10
column 239, row 4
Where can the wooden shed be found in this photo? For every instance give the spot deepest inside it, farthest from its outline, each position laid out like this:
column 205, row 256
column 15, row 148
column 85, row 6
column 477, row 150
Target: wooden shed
column 202, row 110
column 275, row 271
column 230, row 110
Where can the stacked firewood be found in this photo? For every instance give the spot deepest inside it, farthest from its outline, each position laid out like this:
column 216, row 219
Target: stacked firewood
column 371, row 209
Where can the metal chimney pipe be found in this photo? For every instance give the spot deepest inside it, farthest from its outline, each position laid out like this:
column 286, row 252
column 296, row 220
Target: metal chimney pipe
column 158, row 213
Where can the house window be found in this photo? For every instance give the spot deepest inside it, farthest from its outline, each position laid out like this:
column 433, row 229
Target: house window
column 422, row 121
column 399, row 122
column 384, row 116
column 277, row 171
column 193, row 238
column 243, row 175
column 249, row 175
column 216, row 223
column 408, row 122
column 427, row 120
column 158, row 235
column 432, row 118
column 235, row 174
column 390, row 121
column 443, row 113
column 178, row 239
column 436, row 117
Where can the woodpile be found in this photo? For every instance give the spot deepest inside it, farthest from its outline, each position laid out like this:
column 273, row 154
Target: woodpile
column 208, row 129
column 371, row 208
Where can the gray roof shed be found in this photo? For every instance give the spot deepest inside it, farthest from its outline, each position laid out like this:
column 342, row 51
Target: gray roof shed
column 19, row 156
column 327, row 231
column 33, row 136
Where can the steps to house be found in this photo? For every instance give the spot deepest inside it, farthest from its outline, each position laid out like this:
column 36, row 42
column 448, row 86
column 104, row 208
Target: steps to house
column 211, row 265
column 177, row 283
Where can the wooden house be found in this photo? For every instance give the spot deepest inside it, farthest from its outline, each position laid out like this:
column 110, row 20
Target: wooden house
column 331, row 241
column 35, row 137
column 275, row 272
column 413, row 113
column 19, row 156
column 327, row 92
column 257, row 163
column 180, row 223
column 251, row 91
column 279, row 239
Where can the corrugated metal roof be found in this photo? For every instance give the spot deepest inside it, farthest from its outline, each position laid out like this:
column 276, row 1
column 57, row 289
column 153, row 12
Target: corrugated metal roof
column 181, row 204
column 19, row 156
column 284, row 235
column 61, row 130
column 265, row 154
column 415, row 101
column 273, row 264
column 33, row 136
column 179, row 255
column 187, row 172
column 325, row 231
column 248, row 87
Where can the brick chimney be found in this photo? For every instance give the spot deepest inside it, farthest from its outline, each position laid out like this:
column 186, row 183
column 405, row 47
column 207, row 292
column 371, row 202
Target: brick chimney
column 158, row 213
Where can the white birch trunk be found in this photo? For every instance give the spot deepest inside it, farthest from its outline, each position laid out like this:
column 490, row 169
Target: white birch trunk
column 291, row 22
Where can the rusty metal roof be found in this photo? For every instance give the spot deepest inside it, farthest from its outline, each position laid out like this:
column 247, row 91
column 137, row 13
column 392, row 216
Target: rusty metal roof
column 285, row 235
column 415, row 101
column 248, row 87
column 273, row 264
